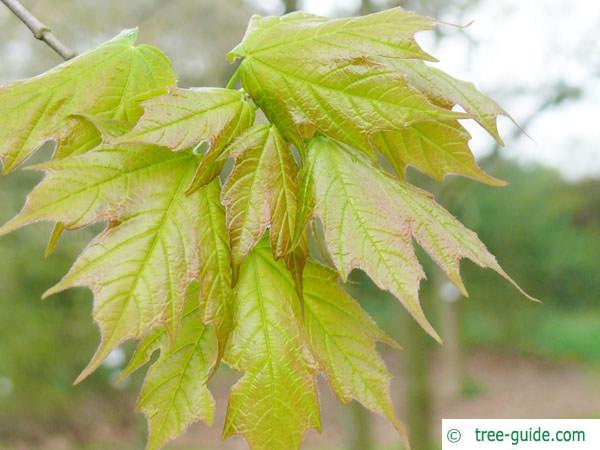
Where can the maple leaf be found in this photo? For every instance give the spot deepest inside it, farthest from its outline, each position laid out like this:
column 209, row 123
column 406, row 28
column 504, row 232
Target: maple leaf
column 174, row 393
column 370, row 219
column 304, row 96
column 387, row 33
column 435, row 148
column 373, row 67
column 148, row 254
column 215, row 290
column 261, row 191
column 212, row 297
column 304, row 91
column 342, row 337
column 276, row 400
column 447, row 91
column 184, row 117
column 105, row 81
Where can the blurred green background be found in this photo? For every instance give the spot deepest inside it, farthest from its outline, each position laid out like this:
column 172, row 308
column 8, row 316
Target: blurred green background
column 503, row 355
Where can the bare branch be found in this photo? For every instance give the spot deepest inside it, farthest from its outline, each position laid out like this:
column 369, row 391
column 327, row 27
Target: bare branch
column 39, row 30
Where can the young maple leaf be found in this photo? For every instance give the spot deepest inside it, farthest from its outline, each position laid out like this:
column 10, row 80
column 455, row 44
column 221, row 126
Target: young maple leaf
column 106, row 81
column 370, row 220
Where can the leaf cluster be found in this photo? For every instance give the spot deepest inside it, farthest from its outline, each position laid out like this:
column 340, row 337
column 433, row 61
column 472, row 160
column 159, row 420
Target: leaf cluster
column 204, row 264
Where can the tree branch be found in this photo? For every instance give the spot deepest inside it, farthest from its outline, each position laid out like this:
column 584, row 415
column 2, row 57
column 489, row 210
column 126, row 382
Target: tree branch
column 39, row 30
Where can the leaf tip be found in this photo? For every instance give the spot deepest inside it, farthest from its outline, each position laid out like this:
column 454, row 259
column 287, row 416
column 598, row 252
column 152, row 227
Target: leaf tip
column 524, row 293
column 9, row 227
column 496, row 182
column 129, row 34
column 455, row 25
column 401, row 429
column 501, row 271
column 427, row 327
column 95, row 362
column 58, row 287
column 57, row 232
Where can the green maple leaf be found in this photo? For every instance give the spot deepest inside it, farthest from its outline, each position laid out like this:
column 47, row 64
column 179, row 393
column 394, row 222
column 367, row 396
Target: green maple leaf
column 216, row 293
column 276, row 400
column 185, row 117
column 106, row 81
column 174, row 393
column 342, row 337
column 378, row 97
column 373, row 67
column 261, row 192
column 212, row 297
column 447, row 91
column 387, row 33
column 310, row 83
column 370, row 220
column 148, row 254
column 435, row 148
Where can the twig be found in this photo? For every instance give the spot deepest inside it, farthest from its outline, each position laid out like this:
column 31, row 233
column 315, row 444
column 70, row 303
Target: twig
column 39, row 30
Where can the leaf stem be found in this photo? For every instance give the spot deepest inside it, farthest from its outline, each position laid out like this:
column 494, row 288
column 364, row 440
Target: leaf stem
column 39, row 30
column 233, row 79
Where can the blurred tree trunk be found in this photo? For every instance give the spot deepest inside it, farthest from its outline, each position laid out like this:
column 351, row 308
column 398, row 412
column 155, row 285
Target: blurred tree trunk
column 290, row 6
column 418, row 388
column 418, row 392
column 452, row 358
column 359, row 434
column 367, row 7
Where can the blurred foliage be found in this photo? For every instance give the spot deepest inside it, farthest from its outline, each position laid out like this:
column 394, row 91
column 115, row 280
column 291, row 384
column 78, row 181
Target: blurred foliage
column 545, row 230
column 43, row 345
